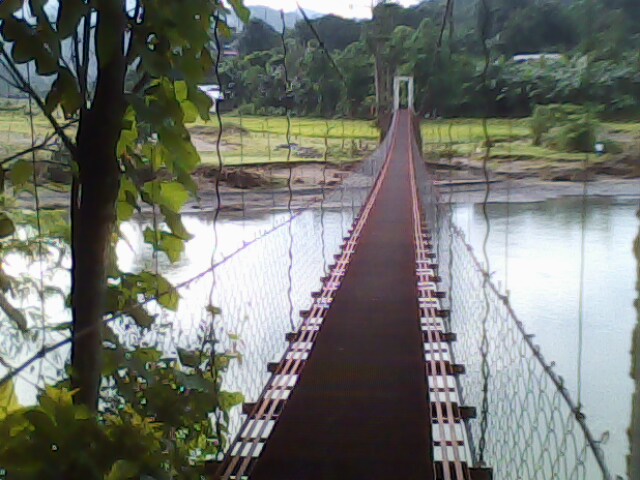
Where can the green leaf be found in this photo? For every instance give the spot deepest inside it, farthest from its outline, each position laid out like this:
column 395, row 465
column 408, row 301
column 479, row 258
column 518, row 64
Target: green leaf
column 123, row 470
column 127, row 199
column 70, row 12
column 7, row 227
column 147, row 355
column 228, row 400
column 8, row 399
column 165, row 242
column 169, row 297
column 242, row 12
column 174, row 222
column 129, row 134
column 141, row 316
column 64, row 92
column 112, row 361
column 172, row 246
column 43, row 424
column 21, row 173
column 9, row 7
column 60, row 395
column 32, row 43
column 189, row 358
column 173, row 196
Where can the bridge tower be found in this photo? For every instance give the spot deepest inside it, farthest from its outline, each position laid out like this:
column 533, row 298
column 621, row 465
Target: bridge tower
column 397, row 84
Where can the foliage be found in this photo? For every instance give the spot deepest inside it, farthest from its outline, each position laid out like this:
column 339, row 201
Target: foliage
column 160, row 428
column 338, row 33
column 567, row 128
column 600, row 65
column 258, row 36
column 576, row 136
column 539, row 27
column 120, row 87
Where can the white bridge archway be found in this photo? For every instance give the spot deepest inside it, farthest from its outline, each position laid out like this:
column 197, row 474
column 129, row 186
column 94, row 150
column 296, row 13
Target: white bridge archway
column 397, row 82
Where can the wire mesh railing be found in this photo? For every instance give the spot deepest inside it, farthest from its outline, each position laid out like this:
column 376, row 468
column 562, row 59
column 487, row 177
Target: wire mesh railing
column 527, row 425
column 261, row 278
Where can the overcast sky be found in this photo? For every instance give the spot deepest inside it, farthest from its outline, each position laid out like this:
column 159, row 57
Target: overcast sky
column 346, row 8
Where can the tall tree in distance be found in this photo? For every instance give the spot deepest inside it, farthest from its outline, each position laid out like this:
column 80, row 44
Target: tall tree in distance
column 258, row 36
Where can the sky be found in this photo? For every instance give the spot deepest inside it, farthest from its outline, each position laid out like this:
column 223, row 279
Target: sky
column 345, row 8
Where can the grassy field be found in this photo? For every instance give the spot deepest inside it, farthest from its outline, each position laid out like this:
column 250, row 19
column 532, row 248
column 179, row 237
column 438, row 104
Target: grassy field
column 245, row 140
column 511, row 141
column 256, row 140
column 263, row 140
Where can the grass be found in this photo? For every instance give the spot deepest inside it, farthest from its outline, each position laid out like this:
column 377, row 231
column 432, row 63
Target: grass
column 511, row 139
column 258, row 140
column 254, row 140
column 245, row 140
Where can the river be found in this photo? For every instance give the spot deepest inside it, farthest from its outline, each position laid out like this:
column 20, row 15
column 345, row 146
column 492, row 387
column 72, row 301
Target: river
column 534, row 249
column 535, row 252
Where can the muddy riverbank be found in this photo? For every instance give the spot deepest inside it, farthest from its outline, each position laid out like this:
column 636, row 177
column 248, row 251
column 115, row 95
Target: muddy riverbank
column 264, row 189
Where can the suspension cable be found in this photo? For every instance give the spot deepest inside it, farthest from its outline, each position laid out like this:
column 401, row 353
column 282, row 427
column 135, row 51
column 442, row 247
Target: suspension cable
column 322, row 44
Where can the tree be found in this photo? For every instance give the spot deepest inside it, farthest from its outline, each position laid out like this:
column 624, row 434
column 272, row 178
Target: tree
column 87, row 49
column 258, row 37
column 337, row 33
column 357, row 66
column 539, row 27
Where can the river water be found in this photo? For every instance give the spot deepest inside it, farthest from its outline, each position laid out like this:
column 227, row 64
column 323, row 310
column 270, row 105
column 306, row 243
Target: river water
column 535, row 252
column 534, row 249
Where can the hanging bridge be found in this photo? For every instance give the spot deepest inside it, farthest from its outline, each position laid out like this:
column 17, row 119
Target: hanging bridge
column 407, row 361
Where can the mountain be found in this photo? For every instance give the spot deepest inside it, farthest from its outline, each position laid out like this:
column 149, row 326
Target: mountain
column 272, row 17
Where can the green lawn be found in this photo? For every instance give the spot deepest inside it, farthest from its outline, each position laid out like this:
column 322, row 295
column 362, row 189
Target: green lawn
column 245, row 140
column 511, row 140
column 262, row 140
column 258, row 140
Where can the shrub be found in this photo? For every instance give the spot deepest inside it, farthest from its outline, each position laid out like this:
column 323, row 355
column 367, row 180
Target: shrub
column 568, row 128
column 247, row 109
column 541, row 123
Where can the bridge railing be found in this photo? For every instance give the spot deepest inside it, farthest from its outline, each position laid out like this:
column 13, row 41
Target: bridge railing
column 246, row 292
column 259, row 290
column 527, row 425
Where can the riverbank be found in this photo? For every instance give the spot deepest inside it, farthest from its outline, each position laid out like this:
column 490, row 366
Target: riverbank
column 265, row 189
column 258, row 164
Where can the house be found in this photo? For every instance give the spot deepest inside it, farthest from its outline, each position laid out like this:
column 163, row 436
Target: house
column 214, row 93
column 537, row 57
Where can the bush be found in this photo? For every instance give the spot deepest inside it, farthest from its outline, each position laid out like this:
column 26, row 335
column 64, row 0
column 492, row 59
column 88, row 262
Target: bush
column 612, row 147
column 247, row 109
column 541, row 123
column 576, row 136
column 568, row 128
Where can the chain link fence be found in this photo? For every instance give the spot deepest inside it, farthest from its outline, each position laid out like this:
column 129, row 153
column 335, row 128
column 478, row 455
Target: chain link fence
column 527, row 425
column 257, row 278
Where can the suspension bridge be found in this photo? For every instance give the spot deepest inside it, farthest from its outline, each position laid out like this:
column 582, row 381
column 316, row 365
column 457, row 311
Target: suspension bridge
column 409, row 362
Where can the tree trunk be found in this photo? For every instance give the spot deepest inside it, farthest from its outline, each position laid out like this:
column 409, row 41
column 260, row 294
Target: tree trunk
column 94, row 199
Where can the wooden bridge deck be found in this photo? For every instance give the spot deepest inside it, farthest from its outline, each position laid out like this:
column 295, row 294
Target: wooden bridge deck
column 360, row 409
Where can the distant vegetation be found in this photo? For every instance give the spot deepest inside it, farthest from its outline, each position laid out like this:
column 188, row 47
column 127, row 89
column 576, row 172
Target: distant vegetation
column 599, row 41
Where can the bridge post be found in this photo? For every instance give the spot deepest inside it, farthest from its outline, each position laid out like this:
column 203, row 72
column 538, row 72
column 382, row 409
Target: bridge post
column 397, row 83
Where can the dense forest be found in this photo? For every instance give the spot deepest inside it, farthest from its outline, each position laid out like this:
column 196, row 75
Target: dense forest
column 598, row 41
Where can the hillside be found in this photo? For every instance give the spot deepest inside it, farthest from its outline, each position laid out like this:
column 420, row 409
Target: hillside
column 272, row 17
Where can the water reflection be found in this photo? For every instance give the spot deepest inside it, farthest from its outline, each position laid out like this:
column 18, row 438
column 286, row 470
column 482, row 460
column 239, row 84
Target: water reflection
column 543, row 260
